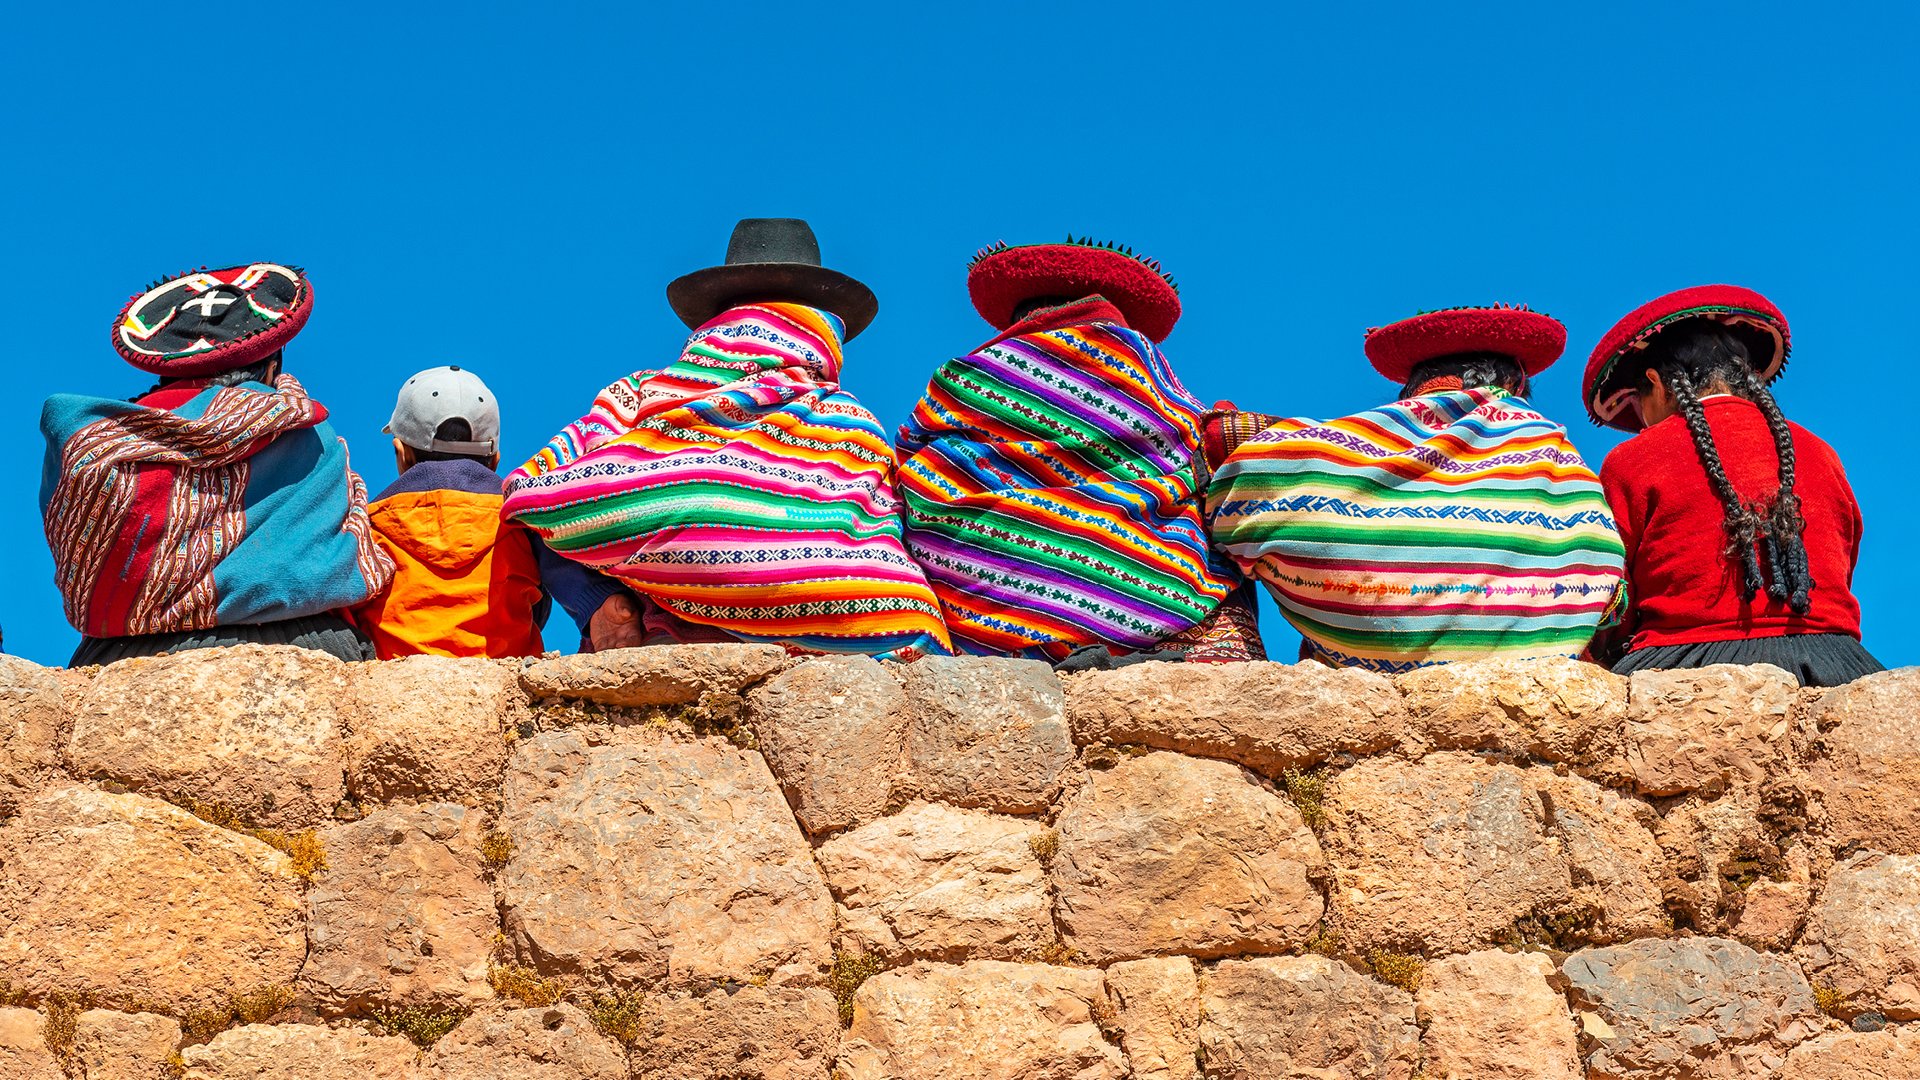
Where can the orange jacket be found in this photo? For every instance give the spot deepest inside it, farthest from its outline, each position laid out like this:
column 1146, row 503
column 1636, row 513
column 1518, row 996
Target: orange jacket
column 466, row 584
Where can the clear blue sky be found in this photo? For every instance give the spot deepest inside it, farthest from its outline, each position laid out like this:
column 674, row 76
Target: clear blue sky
column 510, row 188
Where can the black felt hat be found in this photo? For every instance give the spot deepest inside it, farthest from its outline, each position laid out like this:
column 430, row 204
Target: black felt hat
column 772, row 259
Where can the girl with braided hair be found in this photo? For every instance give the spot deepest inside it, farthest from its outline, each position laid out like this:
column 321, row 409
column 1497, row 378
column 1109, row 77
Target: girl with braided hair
column 1740, row 528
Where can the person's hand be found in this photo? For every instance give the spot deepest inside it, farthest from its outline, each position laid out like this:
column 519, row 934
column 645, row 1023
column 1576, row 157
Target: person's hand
column 616, row 625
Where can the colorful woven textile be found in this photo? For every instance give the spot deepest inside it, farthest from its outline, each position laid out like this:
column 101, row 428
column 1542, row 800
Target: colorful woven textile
column 1452, row 525
column 1050, row 492
column 236, row 507
column 740, row 488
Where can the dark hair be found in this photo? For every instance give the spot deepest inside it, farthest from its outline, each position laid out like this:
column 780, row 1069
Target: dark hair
column 1699, row 355
column 262, row 371
column 454, row 430
column 1473, row 369
column 1035, row 303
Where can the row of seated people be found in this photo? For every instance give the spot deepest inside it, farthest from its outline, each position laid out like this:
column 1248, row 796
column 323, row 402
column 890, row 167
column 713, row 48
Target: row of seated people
column 1055, row 494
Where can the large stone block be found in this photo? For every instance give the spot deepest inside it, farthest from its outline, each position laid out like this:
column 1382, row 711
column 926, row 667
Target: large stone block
column 1157, row 1003
column 1304, row 1018
column 126, row 899
column 643, row 862
column 23, row 1047
column 937, row 883
column 123, row 1046
column 752, row 1033
column 1615, row 862
column 1443, row 856
column 1863, row 935
column 1171, row 854
column 251, row 728
column 985, row 1020
column 402, row 915
column 302, row 1052
column 1892, row 1054
column 986, row 732
column 1268, row 717
column 1711, row 728
column 1868, row 773
column 1695, row 1007
column 554, row 1043
column 833, row 729
column 33, row 730
column 430, row 727
column 655, row 675
column 1494, row 1016
column 1554, row 709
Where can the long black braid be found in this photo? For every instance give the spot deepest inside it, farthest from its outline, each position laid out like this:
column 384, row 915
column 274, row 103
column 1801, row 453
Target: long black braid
column 1766, row 540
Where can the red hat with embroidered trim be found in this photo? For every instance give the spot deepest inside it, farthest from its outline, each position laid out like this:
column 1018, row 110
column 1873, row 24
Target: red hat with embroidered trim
column 205, row 322
column 1001, row 278
column 1532, row 339
column 1609, row 386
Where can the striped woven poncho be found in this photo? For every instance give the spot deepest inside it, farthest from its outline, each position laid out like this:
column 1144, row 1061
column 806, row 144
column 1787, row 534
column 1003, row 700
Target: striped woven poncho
column 741, row 489
column 1050, row 493
column 1451, row 525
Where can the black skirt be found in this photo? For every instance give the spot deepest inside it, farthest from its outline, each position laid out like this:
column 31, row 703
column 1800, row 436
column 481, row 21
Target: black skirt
column 1814, row 659
column 328, row 633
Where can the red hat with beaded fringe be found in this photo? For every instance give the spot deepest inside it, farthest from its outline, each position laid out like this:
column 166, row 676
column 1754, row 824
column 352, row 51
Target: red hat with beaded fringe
column 1001, row 278
column 1609, row 385
column 206, row 322
column 1533, row 339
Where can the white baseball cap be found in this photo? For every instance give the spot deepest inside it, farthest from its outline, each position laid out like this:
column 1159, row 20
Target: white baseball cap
column 438, row 395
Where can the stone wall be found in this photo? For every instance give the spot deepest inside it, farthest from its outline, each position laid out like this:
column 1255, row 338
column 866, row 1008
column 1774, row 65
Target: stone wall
column 719, row 862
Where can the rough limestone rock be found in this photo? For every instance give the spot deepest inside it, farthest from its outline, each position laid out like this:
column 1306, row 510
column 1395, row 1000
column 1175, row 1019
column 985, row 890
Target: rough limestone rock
column 1304, row 1018
column 402, row 915
column 1773, row 914
column 1171, row 854
column 553, row 1043
column 1711, row 843
column 251, row 728
column 33, row 728
column 985, row 1020
column 654, row 675
column 1616, row 863
column 1494, row 1016
column 23, row 1048
column 1863, row 936
column 986, row 733
column 1157, row 1002
column 1691, row 1008
column 1711, row 727
column 429, row 727
column 1893, row 1054
column 302, row 1052
column 750, row 1033
column 123, row 1046
column 833, row 729
column 1443, row 856
column 1554, row 709
column 128, row 899
column 937, row 883
column 675, row 860
column 1268, row 717
column 1868, row 774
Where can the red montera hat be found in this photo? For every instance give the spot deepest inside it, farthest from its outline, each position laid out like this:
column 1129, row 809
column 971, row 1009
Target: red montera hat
column 1001, row 278
column 205, row 322
column 1608, row 388
column 1534, row 340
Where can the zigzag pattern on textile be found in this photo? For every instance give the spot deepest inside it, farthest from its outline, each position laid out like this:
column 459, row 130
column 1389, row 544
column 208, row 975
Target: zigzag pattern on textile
column 740, row 488
column 1464, row 524
column 1049, row 492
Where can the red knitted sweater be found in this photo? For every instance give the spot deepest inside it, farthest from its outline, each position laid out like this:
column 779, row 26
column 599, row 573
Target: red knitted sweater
column 1684, row 589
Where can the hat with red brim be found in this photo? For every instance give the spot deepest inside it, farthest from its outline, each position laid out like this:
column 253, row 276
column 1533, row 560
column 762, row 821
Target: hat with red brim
column 206, row 322
column 1609, row 387
column 1532, row 339
column 1001, row 278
